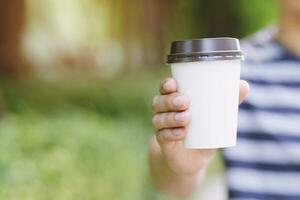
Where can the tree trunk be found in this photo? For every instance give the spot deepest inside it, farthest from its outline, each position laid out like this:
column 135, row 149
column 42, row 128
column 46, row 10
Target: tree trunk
column 154, row 24
column 12, row 13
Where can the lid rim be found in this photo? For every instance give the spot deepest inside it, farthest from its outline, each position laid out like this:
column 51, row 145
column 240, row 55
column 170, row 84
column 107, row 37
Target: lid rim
column 197, row 49
column 207, row 52
column 171, row 59
column 203, row 39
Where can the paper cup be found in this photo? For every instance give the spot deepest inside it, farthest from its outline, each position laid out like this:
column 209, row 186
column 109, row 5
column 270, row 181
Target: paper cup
column 208, row 72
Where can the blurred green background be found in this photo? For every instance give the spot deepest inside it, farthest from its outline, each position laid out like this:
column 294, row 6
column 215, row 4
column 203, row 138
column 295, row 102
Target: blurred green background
column 77, row 78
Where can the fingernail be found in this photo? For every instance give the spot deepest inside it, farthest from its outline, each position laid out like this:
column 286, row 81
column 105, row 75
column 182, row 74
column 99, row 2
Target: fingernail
column 167, row 85
column 180, row 117
column 179, row 101
column 176, row 132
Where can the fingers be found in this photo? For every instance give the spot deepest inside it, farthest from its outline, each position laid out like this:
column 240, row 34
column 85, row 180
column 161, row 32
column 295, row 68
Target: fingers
column 168, row 86
column 165, row 135
column 168, row 121
column 171, row 120
column 168, row 103
column 171, row 115
column 244, row 90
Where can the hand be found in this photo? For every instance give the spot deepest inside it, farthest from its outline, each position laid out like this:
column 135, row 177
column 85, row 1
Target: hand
column 170, row 118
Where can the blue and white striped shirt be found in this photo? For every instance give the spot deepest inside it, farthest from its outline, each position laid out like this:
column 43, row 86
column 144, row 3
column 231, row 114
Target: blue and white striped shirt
column 265, row 164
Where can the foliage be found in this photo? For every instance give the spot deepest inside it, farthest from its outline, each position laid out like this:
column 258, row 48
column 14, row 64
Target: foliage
column 75, row 139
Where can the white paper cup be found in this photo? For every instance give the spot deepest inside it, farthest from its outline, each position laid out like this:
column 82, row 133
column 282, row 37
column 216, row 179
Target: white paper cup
column 208, row 72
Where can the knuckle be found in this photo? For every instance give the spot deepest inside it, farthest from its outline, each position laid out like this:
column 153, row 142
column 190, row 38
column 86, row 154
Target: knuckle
column 168, row 135
column 154, row 102
column 172, row 97
column 181, row 118
column 179, row 102
column 163, row 82
column 181, row 123
column 168, row 101
column 186, row 119
column 154, row 121
column 179, row 133
column 170, row 119
column 158, row 121
column 164, row 135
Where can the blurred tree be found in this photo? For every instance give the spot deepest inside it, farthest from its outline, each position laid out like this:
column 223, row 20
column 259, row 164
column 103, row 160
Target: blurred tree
column 154, row 20
column 110, row 34
column 221, row 20
column 145, row 28
column 142, row 29
column 12, row 13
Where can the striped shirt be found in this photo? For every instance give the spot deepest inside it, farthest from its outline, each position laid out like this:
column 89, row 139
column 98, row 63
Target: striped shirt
column 265, row 164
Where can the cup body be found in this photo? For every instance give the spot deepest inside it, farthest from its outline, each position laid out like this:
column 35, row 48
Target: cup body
column 213, row 89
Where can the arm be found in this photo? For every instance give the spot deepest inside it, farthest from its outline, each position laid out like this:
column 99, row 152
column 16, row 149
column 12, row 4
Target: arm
column 167, row 180
column 174, row 169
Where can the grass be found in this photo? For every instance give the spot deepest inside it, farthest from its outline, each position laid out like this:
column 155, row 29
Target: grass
column 77, row 138
column 74, row 155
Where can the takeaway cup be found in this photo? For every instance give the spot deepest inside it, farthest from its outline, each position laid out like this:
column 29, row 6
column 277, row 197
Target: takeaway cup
column 208, row 72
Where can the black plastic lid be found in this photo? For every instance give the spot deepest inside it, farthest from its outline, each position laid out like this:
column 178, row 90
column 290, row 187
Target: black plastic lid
column 223, row 48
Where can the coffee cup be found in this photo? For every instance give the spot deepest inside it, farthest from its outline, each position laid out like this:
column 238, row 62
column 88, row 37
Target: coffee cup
column 208, row 72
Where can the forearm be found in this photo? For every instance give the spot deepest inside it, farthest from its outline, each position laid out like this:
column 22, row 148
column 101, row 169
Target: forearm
column 168, row 181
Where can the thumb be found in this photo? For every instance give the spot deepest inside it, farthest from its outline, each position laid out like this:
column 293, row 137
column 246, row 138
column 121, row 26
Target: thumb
column 244, row 90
